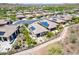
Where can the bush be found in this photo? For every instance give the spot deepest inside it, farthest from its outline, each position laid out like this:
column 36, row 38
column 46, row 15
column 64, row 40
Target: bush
column 17, row 44
column 55, row 50
column 73, row 38
column 30, row 42
column 72, row 31
column 26, row 25
column 49, row 34
column 75, row 20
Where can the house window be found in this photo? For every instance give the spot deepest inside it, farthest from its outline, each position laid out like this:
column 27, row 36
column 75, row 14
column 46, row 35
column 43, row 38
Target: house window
column 11, row 38
column 17, row 32
column 38, row 35
column 0, row 39
column 52, row 29
column 5, row 39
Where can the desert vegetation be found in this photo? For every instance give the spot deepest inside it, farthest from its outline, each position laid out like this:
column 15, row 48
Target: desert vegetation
column 71, row 42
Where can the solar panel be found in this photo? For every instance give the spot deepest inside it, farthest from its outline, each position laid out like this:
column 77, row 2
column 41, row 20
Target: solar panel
column 2, row 33
column 44, row 24
column 32, row 28
column 25, row 21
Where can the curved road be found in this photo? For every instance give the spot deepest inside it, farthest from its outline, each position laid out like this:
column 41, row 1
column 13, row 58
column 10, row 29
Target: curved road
column 31, row 51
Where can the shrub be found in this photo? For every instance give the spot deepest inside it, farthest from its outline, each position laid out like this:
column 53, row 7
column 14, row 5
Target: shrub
column 49, row 34
column 75, row 20
column 55, row 50
column 26, row 25
column 73, row 38
column 30, row 42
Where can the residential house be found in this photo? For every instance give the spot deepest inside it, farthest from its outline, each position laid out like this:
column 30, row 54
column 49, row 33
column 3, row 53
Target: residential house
column 48, row 24
column 75, row 15
column 5, row 22
column 37, row 30
column 20, row 15
column 8, row 32
column 66, row 17
column 56, row 20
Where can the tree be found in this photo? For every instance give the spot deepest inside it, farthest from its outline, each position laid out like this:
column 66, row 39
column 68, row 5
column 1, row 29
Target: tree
column 75, row 20
column 26, row 25
column 60, row 27
column 13, row 17
column 73, row 38
column 30, row 42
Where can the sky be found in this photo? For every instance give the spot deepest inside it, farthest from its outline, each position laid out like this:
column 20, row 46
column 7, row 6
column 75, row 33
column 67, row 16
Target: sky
column 39, row 1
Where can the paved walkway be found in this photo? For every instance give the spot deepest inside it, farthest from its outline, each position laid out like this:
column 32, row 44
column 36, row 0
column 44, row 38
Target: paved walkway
column 31, row 51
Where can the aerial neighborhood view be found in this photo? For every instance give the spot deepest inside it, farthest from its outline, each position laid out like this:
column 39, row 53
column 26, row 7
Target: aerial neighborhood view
column 39, row 29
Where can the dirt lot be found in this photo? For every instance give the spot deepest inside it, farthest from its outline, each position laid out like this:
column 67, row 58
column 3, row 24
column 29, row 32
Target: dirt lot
column 45, row 50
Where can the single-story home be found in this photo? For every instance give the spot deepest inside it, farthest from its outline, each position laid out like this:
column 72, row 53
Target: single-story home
column 26, row 12
column 5, row 22
column 20, row 15
column 56, row 20
column 8, row 32
column 75, row 15
column 30, row 16
column 48, row 24
column 66, row 17
column 37, row 29
column 76, row 10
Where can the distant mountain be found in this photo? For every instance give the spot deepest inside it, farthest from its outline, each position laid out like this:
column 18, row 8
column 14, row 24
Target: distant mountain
column 9, row 5
column 6, row 5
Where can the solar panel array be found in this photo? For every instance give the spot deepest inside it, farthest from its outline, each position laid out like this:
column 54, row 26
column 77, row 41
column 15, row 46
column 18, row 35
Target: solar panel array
column 2, row 33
